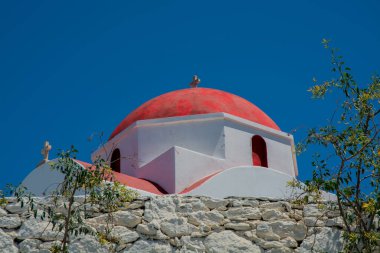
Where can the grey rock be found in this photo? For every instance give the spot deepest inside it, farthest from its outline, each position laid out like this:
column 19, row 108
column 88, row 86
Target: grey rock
column 289, row 229
column 2, row 212
column 227, row 241
column 312, row 210
column 135, row 204
column 191, row 205
column 176, row 227
column 296, row 214
column 192, row 244
column 160, row 207
column 123, row 235
column 126, row 218
column 333, row 213
column 147, row 229
column 87, row 244
column 211, row 203
column 273, row 214
column 175, row 242
column 313, row 222
column 241, row 226
column 212, row 219
column 35, row 229
column 150, row 247
column 120, row 218
column 46, row 246
column 270, row 245
column 280, row 250
column 160, row 236
column 289, row 242
column 253, row 223
column 335, row 222
column 235, row 203
column 264, row 231
column 6, row 243
column 327, row 240
column 10, row 221
column 41, row 251
column 16, row 208
column 28, row 245
column 250, row 202
column 274, row 205
column 243, row 213
column 137, row 212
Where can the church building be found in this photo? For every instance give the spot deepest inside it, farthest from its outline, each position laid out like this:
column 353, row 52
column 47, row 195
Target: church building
column 196, row 141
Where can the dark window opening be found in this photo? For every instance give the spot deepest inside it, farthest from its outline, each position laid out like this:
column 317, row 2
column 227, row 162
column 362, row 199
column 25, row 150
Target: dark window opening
column 115, row 160
column 259, row 151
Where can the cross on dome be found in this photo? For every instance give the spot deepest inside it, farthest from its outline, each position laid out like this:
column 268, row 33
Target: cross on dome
column 45, row 152
column 195, row 82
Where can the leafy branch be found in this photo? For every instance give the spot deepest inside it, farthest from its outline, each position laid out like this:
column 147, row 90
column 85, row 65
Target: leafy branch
column 350, row 164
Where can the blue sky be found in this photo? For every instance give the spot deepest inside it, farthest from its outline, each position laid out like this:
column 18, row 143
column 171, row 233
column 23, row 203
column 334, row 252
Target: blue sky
column 72, row 68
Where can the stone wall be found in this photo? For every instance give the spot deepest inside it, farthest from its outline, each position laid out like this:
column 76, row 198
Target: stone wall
column 186, row 224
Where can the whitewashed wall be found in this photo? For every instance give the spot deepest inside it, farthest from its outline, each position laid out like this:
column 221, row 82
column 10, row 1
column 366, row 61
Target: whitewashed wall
column 177, row 152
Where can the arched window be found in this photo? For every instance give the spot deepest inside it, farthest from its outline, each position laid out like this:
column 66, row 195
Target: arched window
column 259, row 151
column 115, row 160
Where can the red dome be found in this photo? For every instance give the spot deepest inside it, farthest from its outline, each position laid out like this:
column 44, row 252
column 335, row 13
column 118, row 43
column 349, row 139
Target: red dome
column 196, row 101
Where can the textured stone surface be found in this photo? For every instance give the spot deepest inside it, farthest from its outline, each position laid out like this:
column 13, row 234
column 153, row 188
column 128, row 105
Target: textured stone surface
column 46, row 246
column 312, row 211
column 314, row 222
column 243, row 213
column 35, row 229
column 159, row 208
column 187, row 206
column 326, row 240
column 289, row 242
column 227, row 241
column 29, row 245
column 16, row 208
column 279, row 205
column 279, row 250
column 150, row 247
column 187, row 224
column 192, row 244
column 120, row 218
column 250, row 202
column 126, row 218
column 10, row 222
column 6, row 243
column 2, row 212
column 289, row 228
column 87, row 244
column 335, row 222
column 211, row 203
column 240, row 226
column 147, row 229
column 273, row 214
column 264, row 231
column 212, row 219
column 175, row 227
column 123, row 235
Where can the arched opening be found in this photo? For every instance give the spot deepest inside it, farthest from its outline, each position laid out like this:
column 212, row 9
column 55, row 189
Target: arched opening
column 115, row 160
column 259, row 151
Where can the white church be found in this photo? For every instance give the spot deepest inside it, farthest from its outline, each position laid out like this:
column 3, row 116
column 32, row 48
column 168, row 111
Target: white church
column 195, row 141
